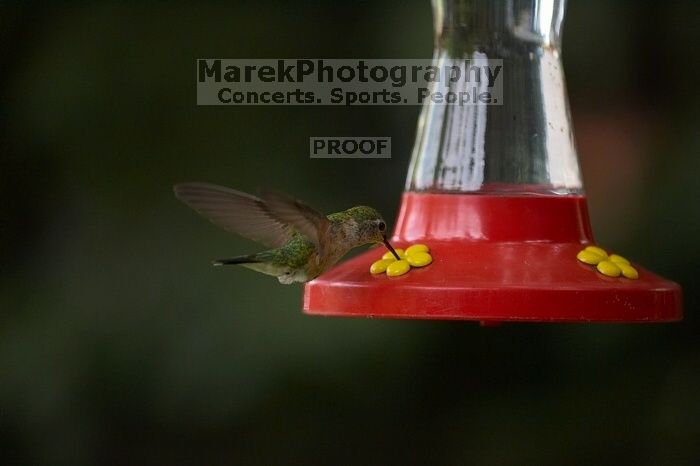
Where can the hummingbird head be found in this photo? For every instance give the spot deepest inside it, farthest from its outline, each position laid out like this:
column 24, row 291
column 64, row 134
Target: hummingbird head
column 369, row 226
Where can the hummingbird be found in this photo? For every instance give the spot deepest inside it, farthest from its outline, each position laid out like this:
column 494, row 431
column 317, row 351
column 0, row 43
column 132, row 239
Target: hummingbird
column 303, row 242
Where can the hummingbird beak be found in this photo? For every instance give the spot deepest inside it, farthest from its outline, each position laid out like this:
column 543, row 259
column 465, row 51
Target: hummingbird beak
column 388, row 246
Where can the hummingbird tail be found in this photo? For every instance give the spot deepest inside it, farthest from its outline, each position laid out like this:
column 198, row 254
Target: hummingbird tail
column 251, row 259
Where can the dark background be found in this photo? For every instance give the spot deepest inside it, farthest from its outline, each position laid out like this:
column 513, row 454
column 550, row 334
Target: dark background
column 119, row 344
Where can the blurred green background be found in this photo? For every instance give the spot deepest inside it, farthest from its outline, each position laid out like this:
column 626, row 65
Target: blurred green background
column 119, row 344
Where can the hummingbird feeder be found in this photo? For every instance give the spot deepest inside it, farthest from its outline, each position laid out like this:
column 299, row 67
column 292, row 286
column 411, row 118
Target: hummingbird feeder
column 496, row 192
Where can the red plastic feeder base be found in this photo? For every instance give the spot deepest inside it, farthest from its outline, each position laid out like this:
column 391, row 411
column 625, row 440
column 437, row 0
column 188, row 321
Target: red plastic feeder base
column 495, row 258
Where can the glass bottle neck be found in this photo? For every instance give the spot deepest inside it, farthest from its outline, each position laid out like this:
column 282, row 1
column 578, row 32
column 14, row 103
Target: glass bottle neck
column 464, row 25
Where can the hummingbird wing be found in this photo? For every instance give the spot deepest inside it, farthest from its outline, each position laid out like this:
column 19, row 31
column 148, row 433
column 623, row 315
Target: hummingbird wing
column 236, row 212
column 290, row 211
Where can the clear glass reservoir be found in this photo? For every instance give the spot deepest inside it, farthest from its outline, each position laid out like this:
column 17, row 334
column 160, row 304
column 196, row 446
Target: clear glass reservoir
column 524, row 144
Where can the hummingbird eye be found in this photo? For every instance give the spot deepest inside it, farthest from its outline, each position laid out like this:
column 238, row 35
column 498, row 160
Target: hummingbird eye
column 381, row 226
